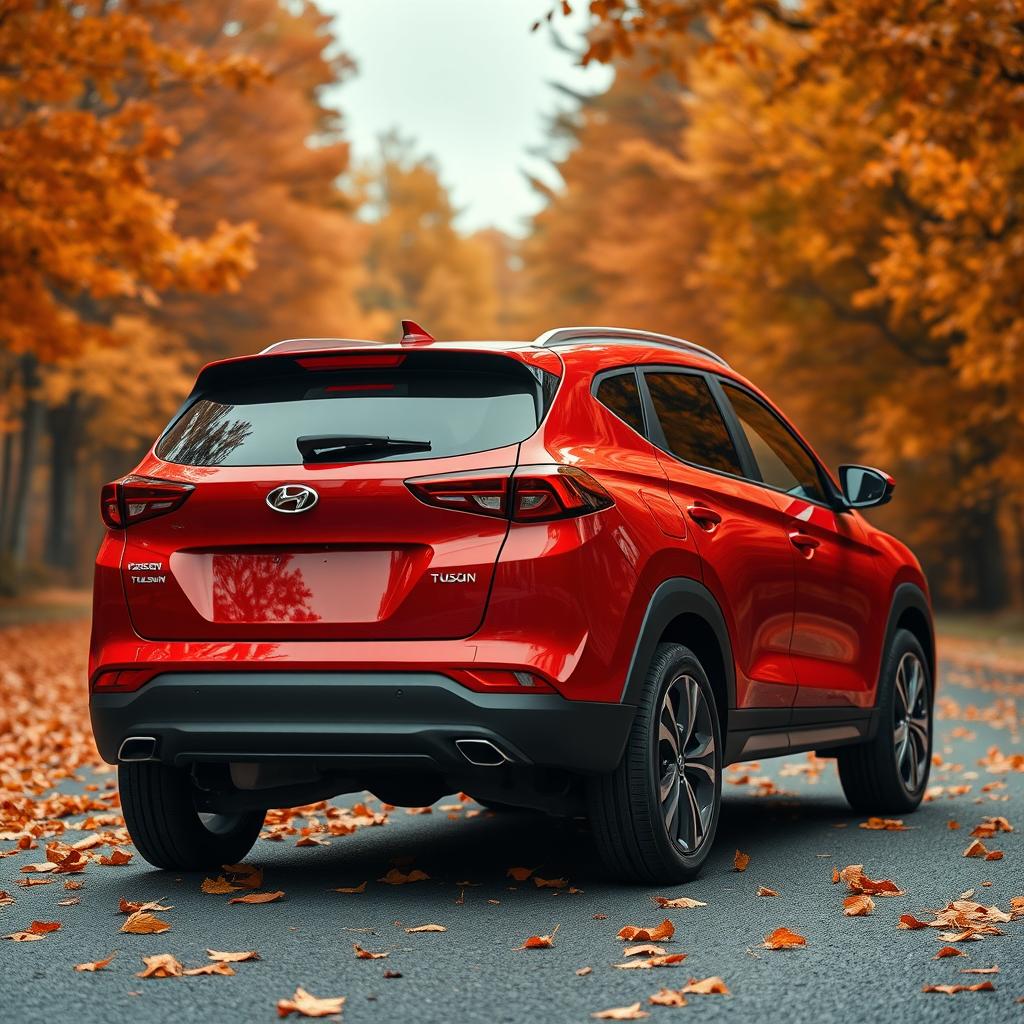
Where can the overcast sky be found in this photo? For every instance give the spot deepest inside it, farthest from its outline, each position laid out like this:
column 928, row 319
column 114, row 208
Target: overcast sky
column 469, row 81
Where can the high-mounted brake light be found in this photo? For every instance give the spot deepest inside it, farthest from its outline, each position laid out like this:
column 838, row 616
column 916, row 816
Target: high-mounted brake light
column 352, row 362
column 134, row 499
column 525, row 494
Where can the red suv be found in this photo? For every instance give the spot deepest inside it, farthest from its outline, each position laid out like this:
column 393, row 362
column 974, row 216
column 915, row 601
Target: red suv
column 580, row 574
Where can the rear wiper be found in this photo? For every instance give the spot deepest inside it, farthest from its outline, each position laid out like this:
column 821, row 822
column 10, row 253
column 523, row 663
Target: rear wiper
column 345, row 447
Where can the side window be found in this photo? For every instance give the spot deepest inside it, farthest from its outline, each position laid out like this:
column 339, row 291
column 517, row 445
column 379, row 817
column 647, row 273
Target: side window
column 782, row 460
column 621, row 394
column 693, row 425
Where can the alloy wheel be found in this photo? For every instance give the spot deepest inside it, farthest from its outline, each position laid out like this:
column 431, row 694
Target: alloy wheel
column 911, row 734
column 686, row 763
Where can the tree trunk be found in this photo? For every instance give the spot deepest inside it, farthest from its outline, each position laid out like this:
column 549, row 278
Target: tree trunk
column 61, row 535
column 983, row 558
column 31, row 428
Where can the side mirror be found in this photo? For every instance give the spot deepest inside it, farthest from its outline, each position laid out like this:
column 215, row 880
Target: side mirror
column 864, row 487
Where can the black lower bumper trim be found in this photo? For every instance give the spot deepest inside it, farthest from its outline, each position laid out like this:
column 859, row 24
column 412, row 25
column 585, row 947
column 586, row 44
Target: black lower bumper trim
column 355, row 721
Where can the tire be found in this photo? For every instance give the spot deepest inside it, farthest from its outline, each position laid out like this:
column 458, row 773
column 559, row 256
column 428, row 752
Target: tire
column 889, row 774
column 628, row 818
column 160, row 811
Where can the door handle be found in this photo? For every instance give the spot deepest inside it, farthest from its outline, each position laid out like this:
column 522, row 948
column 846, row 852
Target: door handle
column 706, row 518
column 803, row 542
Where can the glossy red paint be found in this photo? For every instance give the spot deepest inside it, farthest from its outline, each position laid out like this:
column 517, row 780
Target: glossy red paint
column 372, row 578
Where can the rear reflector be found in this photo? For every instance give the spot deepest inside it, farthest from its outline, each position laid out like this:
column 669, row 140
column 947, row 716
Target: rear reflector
column 136, row 498
column 495, row 680
column 526, row 494
column 123, row 680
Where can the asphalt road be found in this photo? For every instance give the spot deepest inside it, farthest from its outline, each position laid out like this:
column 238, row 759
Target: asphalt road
column 852, row 969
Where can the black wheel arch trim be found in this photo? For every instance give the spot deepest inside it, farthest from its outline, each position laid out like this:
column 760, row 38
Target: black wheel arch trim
column 909, row 596
column 672, row 598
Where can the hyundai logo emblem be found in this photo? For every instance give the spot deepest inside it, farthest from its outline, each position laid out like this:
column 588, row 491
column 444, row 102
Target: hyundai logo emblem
column 291, row 498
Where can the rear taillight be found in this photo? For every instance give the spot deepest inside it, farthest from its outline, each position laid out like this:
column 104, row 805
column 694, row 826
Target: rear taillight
column 527, row 494
column 134, row 499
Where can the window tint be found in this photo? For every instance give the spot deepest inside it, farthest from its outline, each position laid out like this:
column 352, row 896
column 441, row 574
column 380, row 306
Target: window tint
column 256, row 422
column 694, row 428
column 782, row 460
column 621, row 394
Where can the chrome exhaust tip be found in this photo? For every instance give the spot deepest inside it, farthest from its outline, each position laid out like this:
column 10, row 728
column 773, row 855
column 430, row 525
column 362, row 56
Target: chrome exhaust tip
column 138, row 748
column 481, row 753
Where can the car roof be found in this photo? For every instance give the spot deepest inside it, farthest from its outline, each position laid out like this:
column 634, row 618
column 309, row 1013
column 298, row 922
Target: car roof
column 558, row 337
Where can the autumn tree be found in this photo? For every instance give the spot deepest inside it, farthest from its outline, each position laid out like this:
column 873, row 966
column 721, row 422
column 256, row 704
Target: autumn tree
column 83, row 229
column 860, row 167
column 417, row 263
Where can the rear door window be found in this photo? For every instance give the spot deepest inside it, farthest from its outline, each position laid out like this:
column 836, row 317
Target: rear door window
column 692, row 423
column 456, row 403
column 619, row 393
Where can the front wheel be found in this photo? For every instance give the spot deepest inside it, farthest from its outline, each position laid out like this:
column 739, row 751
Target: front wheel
column 159, row 805
column 889, row 774
column 654, row 817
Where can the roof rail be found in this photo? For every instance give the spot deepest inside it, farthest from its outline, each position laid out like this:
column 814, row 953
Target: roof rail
column 303, row 344
column 567, row 335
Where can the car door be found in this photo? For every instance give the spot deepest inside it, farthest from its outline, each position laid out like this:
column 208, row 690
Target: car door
column 839, row 585
column 746, row 558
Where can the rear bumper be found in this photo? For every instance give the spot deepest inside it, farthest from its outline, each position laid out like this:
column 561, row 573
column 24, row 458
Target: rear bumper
column 355, row 721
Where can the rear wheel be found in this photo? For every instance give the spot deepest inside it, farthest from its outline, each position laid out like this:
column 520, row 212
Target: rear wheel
column 160, row 810
column 655, row 816
column 890, row 772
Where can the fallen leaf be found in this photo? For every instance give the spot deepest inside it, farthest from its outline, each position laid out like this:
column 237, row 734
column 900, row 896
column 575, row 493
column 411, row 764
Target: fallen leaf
column 976, row 849
column 740, row 861
column 215, row 968
column 392, row 974
column 949, row 990
column 309, row 1006
column 644, row 949
column 765, row 891
column 582, row 972
column 519, row 874
column 23, row 936
column 6, row 899
column 162, row 965
column 679, row 903
column 667, row 997
column 540, row 941
column 910, row 923
column 947, row 951
column 952, row 825
column 129, row 907
column 396, row 877
column 669, row 960
column 858, row 906
column 783, row 938
column 655, row 933
column 426, row 928
column 232, row 958
column 549, row 883
column 44, row 927
column 994, row 855
column 258, row 897
column 365, row 954
column 246, row 875
column 144, row 923
column 979, row 970
column 714, row 986
column 218, row 886
column 858, row 882
column 884, row 824
column 351, row 890
column 117, row 859
column 622, row 1013
column 96, row 965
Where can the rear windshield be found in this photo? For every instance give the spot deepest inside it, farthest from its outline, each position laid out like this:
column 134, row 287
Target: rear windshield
column 457, row 404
